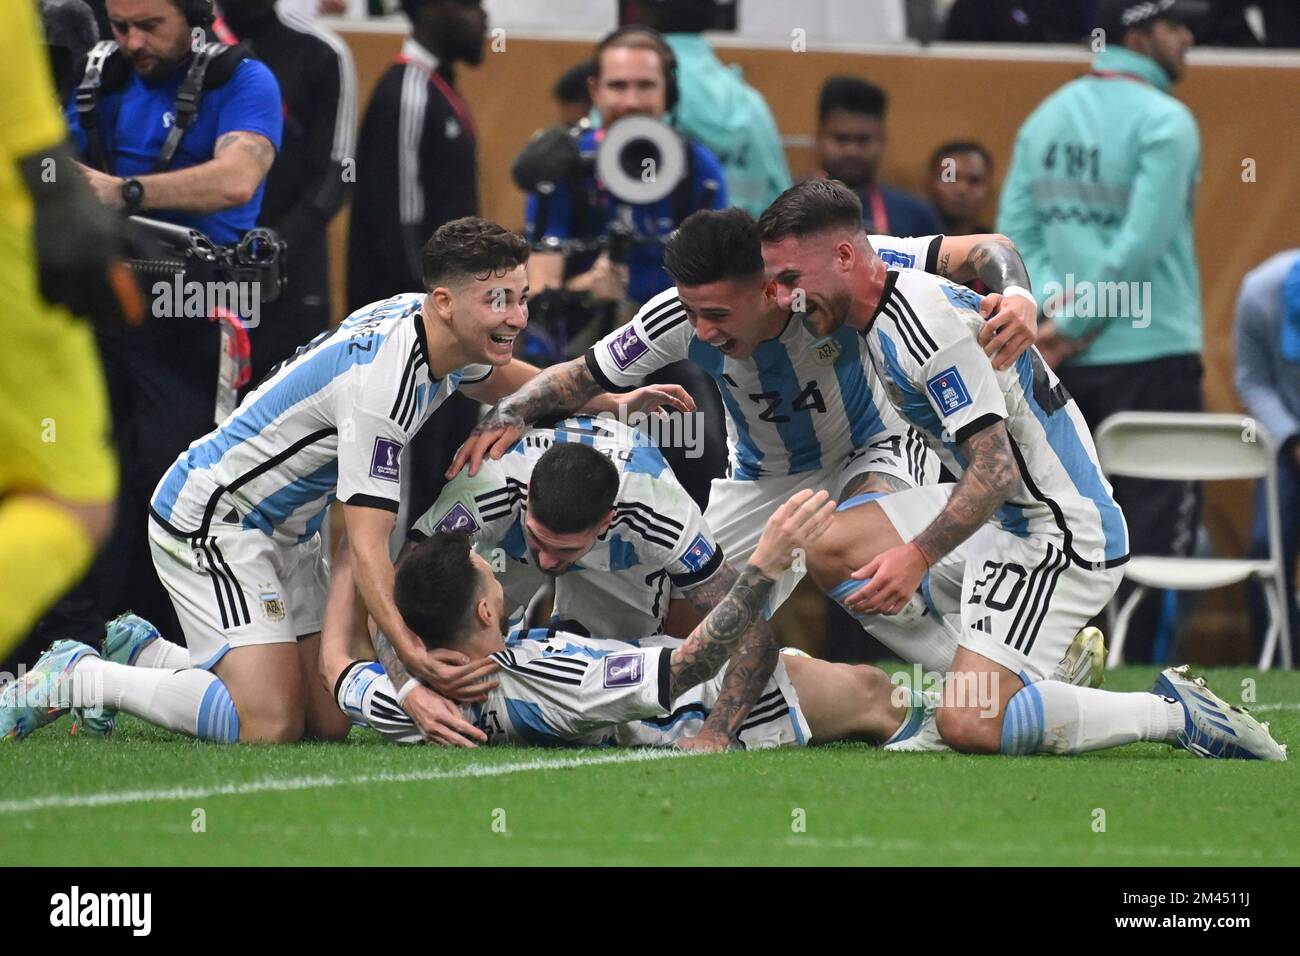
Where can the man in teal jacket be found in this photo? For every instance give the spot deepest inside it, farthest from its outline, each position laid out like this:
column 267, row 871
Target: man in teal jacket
column 1099, row 200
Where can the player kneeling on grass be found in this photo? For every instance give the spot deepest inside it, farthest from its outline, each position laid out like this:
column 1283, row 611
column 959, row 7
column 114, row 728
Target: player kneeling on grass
column 556, row 688
column 1024, row 549
column 234, row 524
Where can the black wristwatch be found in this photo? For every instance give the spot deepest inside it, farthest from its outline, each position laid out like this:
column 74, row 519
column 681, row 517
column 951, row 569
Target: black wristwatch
column 132, row 194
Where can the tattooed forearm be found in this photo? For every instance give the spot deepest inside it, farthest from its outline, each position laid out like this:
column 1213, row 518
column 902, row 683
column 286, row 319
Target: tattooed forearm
column 393, row 666
column 556, row 390
column 987, row 482
column 998, row 265
column 943, row 265
column 734, row 627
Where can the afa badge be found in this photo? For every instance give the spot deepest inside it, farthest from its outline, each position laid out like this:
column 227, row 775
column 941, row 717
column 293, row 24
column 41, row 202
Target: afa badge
column 826, row 351
column 272, row 606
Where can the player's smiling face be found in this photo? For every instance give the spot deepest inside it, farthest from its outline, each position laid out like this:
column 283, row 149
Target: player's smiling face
column 810, row 275
column 734, row 316
column 554, row 553
column 489, row 313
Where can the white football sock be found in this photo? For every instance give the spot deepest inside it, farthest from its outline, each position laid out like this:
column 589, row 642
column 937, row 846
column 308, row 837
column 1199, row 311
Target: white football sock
column 1054, row 717
column 161, row 652
column 190, row 701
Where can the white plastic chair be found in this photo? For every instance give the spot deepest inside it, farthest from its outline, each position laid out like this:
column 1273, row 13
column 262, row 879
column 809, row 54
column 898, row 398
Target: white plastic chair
column 1192, row 446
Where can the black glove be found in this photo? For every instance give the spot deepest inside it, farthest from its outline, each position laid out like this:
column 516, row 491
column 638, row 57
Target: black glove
column 80, row 242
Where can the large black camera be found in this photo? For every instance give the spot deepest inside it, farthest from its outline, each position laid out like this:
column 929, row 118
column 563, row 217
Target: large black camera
column 163, row 251
column 639, row 161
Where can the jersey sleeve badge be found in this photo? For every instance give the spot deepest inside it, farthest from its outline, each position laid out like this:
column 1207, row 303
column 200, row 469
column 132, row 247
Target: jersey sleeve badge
column 624, row 670
column 627, row 348
column 949, row 391
column 458, row 519
column 698, row 554
column 386, row 460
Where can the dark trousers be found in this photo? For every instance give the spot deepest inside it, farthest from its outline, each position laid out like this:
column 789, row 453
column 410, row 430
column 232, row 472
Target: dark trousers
column 1162, row 516
column 162, row 386
column 1288, row 493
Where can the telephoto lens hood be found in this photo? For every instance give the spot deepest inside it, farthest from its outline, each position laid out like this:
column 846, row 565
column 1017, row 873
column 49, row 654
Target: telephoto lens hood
column 641, row 160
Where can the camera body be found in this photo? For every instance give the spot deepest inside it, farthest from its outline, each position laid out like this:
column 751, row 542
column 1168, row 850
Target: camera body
column 163, row 250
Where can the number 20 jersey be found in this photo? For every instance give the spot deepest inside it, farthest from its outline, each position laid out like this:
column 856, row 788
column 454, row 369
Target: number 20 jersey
column 798, row 404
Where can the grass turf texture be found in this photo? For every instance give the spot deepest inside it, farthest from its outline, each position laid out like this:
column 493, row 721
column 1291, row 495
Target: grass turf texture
column 130, row 800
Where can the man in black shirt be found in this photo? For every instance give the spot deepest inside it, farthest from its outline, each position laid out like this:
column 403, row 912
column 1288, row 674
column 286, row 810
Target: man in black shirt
column 307, row 184
column 417, row 169
column 416, row 159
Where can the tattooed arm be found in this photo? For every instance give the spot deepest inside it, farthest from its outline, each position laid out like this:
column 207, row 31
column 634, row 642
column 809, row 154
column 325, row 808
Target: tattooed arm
column 991, row 258
column 733, row 622
column 561, row 388
column 734, row 626
column 734, row 614
column 985, row 485
column 567, row 387
column 1012, row 320
column 988, row 481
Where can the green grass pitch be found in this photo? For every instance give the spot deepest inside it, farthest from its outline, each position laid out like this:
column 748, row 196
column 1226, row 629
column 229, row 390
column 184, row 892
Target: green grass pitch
column 140, row 797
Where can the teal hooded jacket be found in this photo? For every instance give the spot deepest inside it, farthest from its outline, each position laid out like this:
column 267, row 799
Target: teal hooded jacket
column 1099, row 199
column 729, row 116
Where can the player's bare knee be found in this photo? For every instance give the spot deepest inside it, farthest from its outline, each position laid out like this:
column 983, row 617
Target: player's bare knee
column 969, row 730
column 828, row 556
column 272, row 728
column 872, row 683
column 876, row 694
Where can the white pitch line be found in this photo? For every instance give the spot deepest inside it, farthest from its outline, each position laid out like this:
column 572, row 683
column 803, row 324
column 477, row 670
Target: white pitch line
column 1255, row 707
column 114, row 798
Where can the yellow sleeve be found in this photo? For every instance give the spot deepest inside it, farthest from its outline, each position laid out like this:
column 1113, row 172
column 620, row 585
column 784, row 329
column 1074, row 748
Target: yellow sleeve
column 29, row 111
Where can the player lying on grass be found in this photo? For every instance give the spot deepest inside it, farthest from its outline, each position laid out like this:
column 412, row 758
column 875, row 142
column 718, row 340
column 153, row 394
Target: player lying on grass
column 234, row 524
column 1024, row 549
column 593, row 505
column 558, row 688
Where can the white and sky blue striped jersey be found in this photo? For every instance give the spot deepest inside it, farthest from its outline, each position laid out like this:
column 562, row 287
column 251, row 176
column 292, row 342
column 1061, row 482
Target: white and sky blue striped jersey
column 329, row 422
column 924, row 345
column 562, row 689
column 657, row 545
column 798, row 404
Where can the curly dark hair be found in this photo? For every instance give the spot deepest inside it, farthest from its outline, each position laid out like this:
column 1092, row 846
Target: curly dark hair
column 471, row 246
